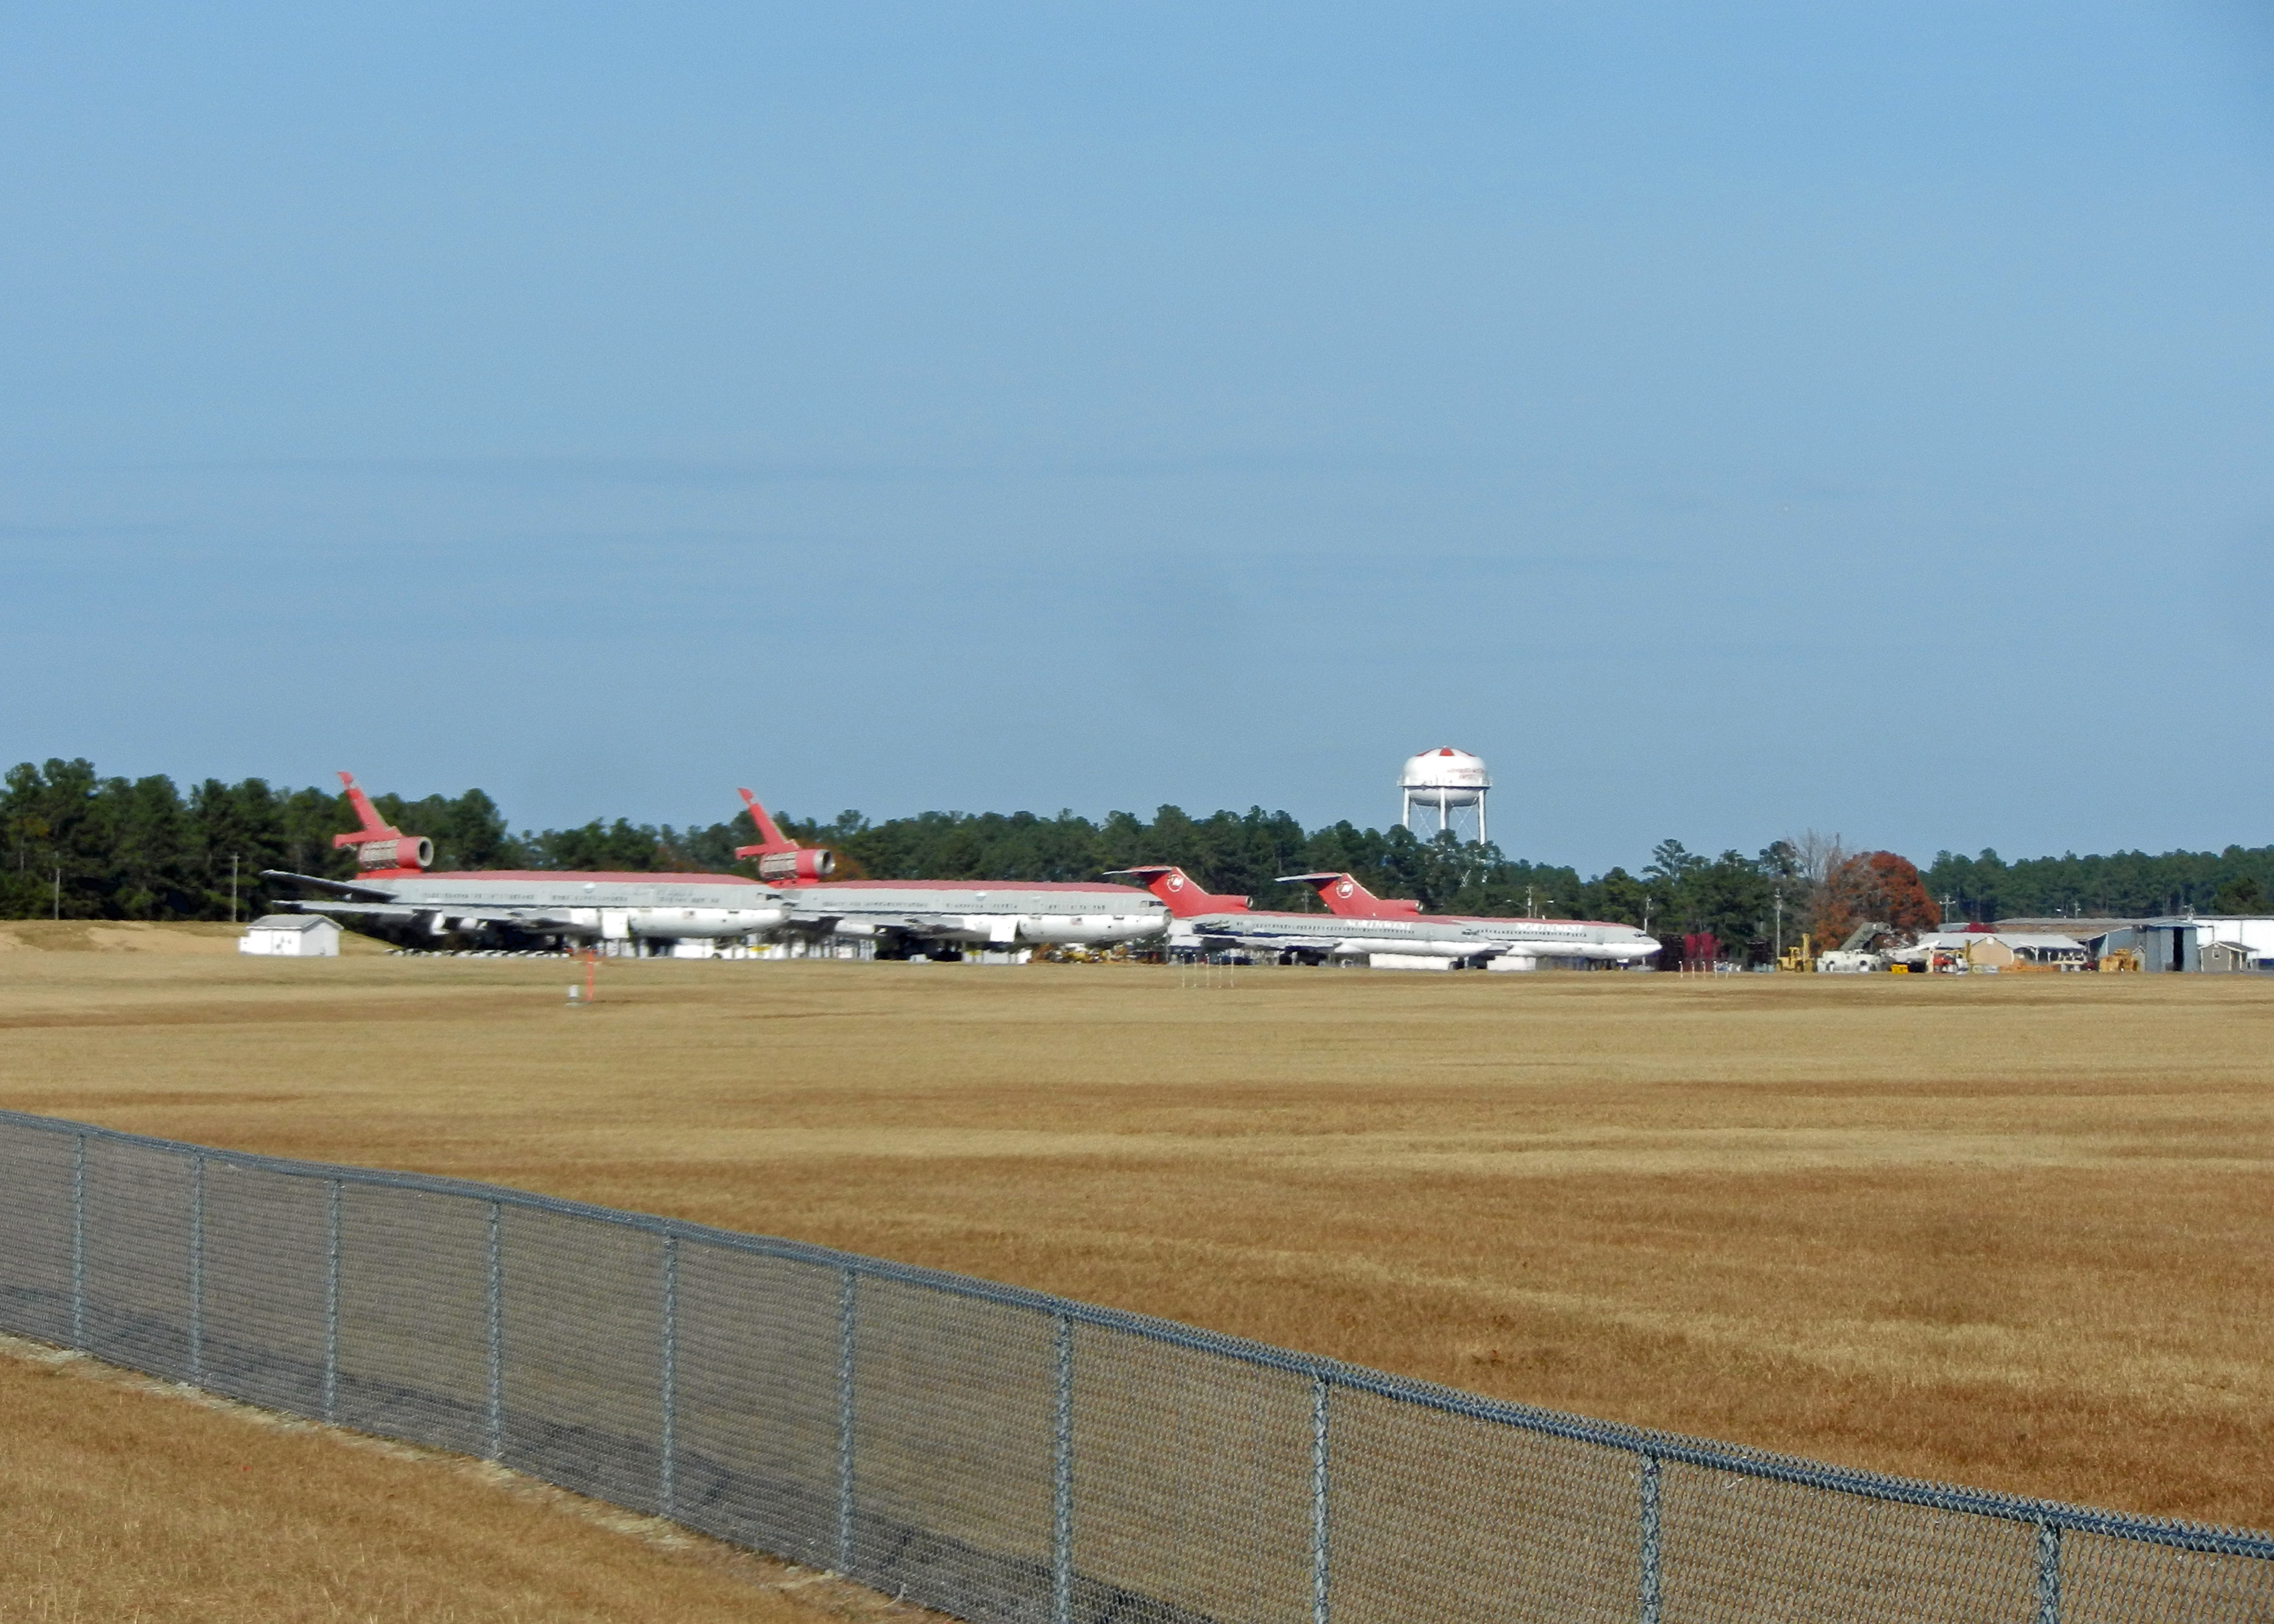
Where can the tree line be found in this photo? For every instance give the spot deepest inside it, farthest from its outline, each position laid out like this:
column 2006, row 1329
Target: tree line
column 2237, row 880
column 82, row 846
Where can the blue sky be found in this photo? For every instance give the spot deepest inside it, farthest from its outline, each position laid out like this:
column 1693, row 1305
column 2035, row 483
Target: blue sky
column 1727, row 419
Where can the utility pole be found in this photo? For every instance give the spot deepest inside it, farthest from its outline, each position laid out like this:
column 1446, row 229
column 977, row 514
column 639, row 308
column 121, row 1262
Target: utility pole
column 232, row 888
column 1778, row 895
column 59, row 894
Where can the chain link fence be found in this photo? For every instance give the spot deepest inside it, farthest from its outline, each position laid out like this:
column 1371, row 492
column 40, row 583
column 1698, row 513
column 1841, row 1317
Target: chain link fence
column 994, row 1453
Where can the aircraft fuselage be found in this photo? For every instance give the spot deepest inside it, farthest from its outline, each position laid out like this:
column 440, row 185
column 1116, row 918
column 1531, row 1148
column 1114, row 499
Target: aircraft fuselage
column 965, row 912
column 1478, row 940
column 517, row 906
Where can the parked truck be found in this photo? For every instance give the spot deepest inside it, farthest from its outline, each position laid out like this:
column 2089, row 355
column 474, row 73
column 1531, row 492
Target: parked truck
column 1855, row 957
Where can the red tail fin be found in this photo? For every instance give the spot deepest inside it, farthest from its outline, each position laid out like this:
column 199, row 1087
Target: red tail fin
column 381, row 847
column 1185, row 899
column 780, row 858
column 770, row 837
column 1345, row 897
column 373, row 827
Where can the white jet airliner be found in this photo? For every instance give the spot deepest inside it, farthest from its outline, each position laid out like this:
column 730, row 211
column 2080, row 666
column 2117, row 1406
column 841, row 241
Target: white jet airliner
column 394, row 897
column 1206, row 923
column 1523, row 943
column 938, row 919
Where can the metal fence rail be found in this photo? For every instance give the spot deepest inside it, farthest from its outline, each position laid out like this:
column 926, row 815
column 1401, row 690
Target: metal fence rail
column 995, row 1453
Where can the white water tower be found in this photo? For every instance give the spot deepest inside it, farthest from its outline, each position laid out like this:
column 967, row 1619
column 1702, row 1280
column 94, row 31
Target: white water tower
column 1437, row 784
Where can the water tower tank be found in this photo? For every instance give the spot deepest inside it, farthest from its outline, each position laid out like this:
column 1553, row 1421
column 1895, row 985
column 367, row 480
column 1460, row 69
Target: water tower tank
column 1440, row 782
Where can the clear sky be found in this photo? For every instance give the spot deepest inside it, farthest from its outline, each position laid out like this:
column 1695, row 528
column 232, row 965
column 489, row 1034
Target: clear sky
column 1726, row 419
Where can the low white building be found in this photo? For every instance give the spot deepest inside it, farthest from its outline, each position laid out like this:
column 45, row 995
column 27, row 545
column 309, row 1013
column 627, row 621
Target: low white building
column 291, row 936
column 1944, row 951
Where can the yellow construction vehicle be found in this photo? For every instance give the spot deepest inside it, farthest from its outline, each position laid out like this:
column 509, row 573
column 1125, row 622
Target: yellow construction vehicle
column 1797, row 956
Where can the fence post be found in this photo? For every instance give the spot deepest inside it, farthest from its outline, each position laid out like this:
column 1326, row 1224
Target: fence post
column 2049, row 1547
column 1318, row 1499
column 846, row 1284
column 1650, row 1603
column 1062, row 1470
column 78, row 1241
column 197, row 1320
column 668, row 1478
column 331, row 1299
column 496, row 1306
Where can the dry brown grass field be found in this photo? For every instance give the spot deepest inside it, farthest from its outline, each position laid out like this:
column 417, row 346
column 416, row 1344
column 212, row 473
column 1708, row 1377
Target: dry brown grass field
column 2013, row 1231
column 121, row 1500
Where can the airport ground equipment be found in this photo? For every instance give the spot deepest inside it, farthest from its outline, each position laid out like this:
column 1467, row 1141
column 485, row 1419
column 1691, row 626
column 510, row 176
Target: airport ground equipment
column 994, row 1453
column 1853, row 956
column 1869, row 931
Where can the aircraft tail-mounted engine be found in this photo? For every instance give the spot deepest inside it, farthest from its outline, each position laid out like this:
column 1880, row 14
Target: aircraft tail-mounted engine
column 780, row 858
column 402, row 851
column 381, row 847
column 806, row 863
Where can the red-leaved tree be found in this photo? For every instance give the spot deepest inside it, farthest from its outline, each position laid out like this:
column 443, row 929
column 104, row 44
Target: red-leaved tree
column 1872, row 886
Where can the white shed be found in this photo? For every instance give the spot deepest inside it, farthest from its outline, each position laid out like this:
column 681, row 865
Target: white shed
column 291, row 936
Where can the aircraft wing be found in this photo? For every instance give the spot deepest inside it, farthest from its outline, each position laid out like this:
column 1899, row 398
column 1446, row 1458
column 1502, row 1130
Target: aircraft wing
column 369, row 910
column 526, row 919
column 1224, row 932
column 338, row 888
column 1234, row 931
column 825, row 920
